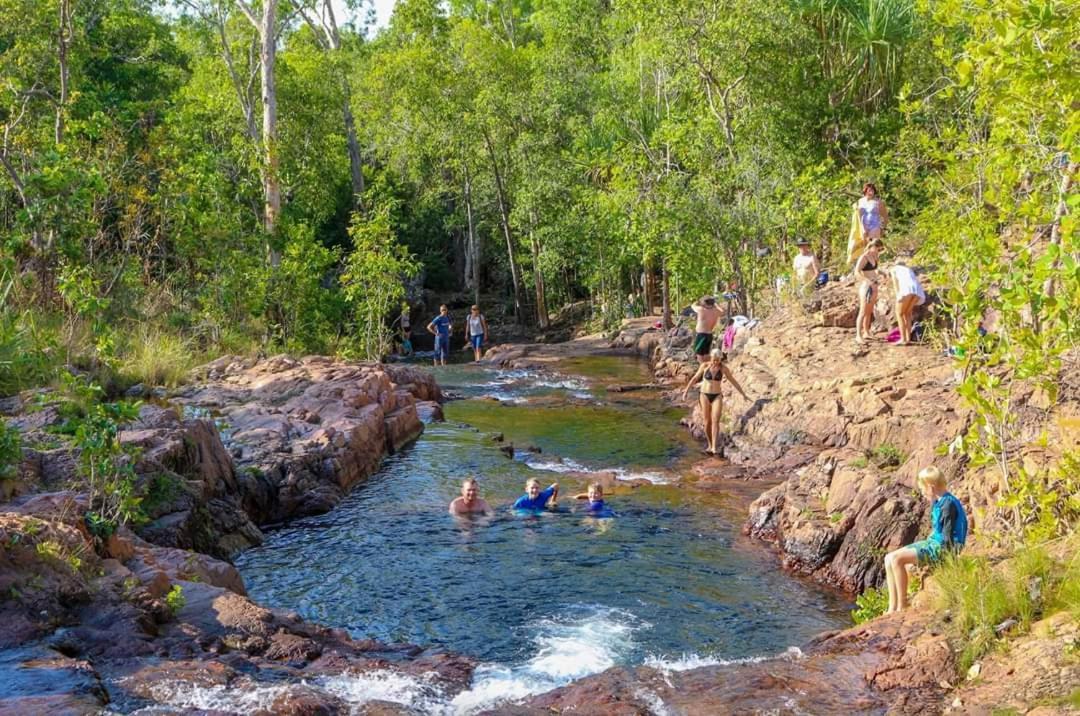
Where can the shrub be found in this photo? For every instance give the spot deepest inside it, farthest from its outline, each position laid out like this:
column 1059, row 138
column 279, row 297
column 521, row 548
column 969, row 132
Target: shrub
column 175, row 599
column 870, row 604
column 10, row 452
column 886, row 456
column 157, row 358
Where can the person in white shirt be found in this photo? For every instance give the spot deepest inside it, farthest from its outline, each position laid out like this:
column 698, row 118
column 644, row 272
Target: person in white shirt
column 805, row 265
column 478, row 330
column 909, row 294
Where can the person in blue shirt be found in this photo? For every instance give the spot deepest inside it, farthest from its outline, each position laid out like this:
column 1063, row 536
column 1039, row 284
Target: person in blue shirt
column 535, row 499
column 441, row 327
column 597, row 507
column 949, row 532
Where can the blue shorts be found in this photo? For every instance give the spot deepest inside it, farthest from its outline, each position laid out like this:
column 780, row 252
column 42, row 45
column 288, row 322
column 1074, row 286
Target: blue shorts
column 442, row 347
column 927, row 550
column 477, row 341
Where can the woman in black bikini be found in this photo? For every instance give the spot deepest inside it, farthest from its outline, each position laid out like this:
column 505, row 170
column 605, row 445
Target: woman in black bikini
column 866, row 265
column 712, row 402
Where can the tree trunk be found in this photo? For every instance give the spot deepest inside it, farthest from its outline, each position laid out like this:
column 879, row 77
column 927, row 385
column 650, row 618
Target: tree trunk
column 473, row 253
column 266, row 25
column 1049, row 287
column 272, row 180
column 63, row 41
column 504, row 217
column 538, row 276
column 665, row 292
column 356, row 162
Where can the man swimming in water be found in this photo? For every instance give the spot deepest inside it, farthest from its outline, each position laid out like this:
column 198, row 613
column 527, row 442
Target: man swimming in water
column 470, row 502
column 536, row 499
column 708, row 315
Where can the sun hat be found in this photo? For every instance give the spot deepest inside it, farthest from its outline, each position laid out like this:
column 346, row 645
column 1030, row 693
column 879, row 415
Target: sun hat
column 802, row 242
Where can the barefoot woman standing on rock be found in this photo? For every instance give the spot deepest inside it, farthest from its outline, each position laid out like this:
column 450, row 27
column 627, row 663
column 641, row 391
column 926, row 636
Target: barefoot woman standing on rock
column 866, row 266
column 710, row 375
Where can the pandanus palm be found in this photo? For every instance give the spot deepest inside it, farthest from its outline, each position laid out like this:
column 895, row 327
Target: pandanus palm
column 862, row 46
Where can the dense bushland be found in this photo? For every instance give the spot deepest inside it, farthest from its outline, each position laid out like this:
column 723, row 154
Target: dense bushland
column 189, row 178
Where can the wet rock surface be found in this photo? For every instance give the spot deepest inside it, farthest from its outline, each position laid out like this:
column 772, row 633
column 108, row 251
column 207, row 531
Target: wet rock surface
column 150, row 618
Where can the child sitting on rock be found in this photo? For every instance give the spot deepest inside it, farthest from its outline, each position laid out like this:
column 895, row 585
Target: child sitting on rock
column 949, row 532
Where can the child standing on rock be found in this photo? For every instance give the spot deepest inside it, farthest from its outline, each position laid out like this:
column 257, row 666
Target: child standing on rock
column 949, row 532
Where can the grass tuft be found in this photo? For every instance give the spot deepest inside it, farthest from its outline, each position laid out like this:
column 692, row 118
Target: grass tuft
column 156, row 358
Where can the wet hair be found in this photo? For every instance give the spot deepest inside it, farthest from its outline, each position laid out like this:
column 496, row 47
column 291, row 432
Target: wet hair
column 470, row 481
column 869, row 185
column 710, row 301
column 596, row 487
column 931, row 476
column 876, row 244
column 532, row 481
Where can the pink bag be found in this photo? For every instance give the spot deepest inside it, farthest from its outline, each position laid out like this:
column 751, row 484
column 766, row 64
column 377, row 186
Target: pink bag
column 894, row 335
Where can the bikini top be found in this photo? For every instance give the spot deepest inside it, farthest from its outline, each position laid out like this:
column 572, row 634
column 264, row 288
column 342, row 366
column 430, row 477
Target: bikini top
column 708, row 379
column 869, row 266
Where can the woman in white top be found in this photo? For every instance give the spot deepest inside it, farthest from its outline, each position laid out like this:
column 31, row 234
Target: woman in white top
column 872, row 212
column 476, row 325
column 909, row 294
column 869, row 219
column 805, row 265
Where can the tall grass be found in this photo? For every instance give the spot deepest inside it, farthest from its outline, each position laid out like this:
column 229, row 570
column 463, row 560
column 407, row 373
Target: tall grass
column 156, row 358
column 982, row 597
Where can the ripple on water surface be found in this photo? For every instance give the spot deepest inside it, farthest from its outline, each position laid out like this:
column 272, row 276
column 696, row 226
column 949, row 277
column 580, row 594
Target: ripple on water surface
column 539, row 600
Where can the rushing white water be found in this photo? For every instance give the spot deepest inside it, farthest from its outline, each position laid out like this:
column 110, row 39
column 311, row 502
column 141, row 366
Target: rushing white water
column 565, row 465
column 592, row 639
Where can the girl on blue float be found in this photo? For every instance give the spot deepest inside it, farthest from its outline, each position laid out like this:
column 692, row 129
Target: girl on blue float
column 948, row 534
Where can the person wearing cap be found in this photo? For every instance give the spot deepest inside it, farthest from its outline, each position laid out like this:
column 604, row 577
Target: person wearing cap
column 708, row 315
column 805, row 265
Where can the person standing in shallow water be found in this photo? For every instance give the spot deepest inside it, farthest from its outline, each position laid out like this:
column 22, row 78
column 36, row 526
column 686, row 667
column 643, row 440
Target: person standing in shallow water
column 710, row 375
column 708, row 315
column 470, row 502
column 441, row 326
column 477, row 329
column 949, row 528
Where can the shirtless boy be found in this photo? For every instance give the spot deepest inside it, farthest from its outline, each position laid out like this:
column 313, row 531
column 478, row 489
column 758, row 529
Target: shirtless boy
column 708, row 315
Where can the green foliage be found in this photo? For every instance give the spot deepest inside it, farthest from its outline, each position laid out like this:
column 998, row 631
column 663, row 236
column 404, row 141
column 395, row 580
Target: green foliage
column 373, row 280
column 175, row 599
column 105, row 466
column 10, row 451
column 1045, row 503
column 871, row 604
column 886, row 456
column 153, row 357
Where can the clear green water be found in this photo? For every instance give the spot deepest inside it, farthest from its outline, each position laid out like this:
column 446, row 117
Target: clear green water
column 542, row 600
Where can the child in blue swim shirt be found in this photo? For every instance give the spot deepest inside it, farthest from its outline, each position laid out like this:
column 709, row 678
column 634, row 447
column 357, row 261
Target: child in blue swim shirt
column 597, row 507
column 535, row 499
column 949, row 527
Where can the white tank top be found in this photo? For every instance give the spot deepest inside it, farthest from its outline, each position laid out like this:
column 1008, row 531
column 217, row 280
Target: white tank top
column 476, row 325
